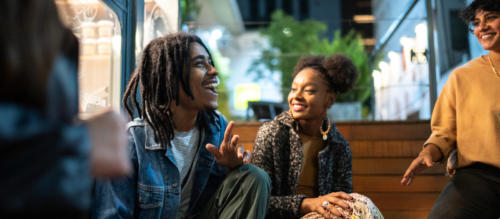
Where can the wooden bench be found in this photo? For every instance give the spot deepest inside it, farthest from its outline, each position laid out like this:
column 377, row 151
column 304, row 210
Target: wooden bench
column 382, row 151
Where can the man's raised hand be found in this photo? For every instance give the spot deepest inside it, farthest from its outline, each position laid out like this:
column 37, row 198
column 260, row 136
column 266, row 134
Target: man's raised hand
column 230, row 154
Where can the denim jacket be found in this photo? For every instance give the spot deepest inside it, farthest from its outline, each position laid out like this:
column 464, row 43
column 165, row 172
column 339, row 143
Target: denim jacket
column 153, row 190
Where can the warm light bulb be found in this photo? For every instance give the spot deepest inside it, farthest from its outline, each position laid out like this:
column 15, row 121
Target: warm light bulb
column 216, row 34
column 117, row 43
column 421, row 29
column 392, row 55
column 377, row 79
column 405, row 41
column 383, row 65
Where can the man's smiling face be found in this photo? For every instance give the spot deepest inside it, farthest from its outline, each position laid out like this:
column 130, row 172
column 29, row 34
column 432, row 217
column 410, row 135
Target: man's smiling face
column 203, row 80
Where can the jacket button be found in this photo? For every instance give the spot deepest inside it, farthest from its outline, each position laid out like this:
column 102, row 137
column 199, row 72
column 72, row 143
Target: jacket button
column 174, row 185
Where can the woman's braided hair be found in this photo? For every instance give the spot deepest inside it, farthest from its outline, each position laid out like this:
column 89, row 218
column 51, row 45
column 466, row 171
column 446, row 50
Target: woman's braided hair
column 163, row 68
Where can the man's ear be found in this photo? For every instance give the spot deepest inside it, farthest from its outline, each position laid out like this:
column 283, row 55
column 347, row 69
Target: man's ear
column 330, row 99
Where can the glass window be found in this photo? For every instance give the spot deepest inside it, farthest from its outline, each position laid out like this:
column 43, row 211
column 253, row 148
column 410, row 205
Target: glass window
column 154, row 24
column 99, row 32
column 401, row 69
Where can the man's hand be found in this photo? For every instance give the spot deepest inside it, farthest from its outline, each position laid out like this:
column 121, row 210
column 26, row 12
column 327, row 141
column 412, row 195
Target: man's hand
column 230, row 154
column 109, row 156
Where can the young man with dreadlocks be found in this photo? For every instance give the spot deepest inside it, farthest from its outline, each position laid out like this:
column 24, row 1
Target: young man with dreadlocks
column 466, row 127
column 174, row 175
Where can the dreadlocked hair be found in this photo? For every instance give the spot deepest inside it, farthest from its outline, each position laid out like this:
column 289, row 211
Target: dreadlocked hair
column 339, row 72
column 164, row 68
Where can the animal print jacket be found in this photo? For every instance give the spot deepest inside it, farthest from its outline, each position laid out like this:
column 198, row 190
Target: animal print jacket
column 278, row 151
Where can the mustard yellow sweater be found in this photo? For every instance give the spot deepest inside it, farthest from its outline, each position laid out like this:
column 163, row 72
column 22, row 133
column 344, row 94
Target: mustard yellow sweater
column 467, row 114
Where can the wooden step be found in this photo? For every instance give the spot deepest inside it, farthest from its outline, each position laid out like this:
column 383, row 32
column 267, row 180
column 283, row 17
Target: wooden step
column 399, row 148
column 391, row 166
column 246, row 133
column 364, row 130
column 374, row 149
column 385, row 130
column 367, row 184
column 403, row 201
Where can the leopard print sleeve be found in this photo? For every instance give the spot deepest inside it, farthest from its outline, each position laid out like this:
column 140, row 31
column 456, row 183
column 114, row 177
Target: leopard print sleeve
column 262, row 152
column 265, row 156
column 285, row 206
column 344, row 170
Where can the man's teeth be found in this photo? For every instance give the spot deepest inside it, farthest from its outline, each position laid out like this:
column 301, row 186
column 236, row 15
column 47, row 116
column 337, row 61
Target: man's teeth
column 212, row 85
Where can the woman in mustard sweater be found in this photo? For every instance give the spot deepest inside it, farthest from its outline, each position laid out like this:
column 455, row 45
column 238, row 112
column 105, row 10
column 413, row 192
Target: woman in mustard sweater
column 466, row 124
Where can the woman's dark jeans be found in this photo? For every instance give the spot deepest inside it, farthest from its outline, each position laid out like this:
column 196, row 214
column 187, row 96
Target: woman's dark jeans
column 473, row 192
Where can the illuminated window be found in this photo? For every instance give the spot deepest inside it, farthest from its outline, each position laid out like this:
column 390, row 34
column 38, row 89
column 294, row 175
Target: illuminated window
column 245, row 92
column 98, row 30
column 367, row 18
column 155, row 22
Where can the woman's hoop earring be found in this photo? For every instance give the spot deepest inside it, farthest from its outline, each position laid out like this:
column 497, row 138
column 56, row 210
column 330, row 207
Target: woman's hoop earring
column 294, row 121
column 325, row 133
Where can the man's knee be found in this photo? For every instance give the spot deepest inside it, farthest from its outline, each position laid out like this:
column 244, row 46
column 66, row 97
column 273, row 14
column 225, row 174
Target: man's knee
column 255, row 176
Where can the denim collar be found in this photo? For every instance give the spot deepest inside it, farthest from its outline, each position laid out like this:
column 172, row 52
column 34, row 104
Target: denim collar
column 151, row 144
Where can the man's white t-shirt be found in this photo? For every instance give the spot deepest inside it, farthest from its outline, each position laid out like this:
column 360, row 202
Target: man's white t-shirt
column 184, row 148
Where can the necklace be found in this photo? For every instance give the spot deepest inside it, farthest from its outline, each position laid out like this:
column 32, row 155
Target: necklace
column 492, row 67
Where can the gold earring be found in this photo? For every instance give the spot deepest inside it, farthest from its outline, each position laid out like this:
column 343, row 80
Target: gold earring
column 324, row 133
column 291, row 115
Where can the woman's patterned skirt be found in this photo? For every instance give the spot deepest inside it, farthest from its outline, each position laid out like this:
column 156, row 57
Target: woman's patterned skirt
column 361, row 208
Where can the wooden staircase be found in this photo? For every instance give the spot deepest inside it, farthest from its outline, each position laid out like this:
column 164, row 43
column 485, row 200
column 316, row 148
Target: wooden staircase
column 382, row 151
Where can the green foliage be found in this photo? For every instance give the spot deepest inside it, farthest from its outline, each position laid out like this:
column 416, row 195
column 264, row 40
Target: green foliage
column 290, row 39
column 222, row 66
column 189, row 10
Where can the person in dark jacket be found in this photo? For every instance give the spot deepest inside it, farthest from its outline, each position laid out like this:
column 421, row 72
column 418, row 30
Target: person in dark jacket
column 47, row 156
column 307, row 159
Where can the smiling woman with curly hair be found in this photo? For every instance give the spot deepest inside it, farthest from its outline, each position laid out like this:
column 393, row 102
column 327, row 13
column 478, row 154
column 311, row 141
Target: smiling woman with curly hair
column 466, row 127
column 307, row 159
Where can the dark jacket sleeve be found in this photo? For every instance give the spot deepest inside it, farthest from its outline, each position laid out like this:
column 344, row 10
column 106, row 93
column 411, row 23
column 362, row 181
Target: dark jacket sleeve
column 44, row 164
column 115, row 198
column 344, row 171
column 263, row 157
column 44, row 153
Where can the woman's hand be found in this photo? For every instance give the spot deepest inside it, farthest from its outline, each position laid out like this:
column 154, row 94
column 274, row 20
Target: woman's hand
column 230, row 154
column 424, row 160
column 333, row 199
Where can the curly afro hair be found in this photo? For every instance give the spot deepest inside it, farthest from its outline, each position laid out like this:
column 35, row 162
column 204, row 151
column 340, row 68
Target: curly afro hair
column 339, row 72
column 469, row 13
